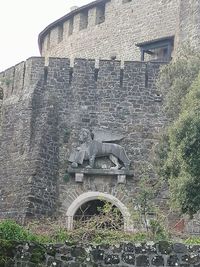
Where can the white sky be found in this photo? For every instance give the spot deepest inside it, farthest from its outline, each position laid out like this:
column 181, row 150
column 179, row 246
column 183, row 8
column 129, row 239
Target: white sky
column 20, row 23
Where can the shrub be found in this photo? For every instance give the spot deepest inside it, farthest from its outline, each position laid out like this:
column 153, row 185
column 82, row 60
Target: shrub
column 10, row 230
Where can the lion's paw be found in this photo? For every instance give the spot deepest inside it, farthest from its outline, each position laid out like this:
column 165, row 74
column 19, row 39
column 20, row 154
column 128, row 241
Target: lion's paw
column 88, row 167
column 74, row 165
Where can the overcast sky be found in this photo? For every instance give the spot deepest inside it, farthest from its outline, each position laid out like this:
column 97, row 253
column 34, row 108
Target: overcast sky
column 20, row 23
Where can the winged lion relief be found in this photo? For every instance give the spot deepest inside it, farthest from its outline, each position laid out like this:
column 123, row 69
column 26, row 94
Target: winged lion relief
column 98, row 143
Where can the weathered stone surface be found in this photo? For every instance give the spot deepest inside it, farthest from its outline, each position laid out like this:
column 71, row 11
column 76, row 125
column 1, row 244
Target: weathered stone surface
column 129, row 247
column 173, row 260
column 26, row 254
column 91, row 148
column 128, row 258
column 164, row 247
column 189, row 27
column 126, row 24
column 142, row 260
column 98, row 255
column 112, row 259
column 48, row 103
column 158, row 261
column 179, row 248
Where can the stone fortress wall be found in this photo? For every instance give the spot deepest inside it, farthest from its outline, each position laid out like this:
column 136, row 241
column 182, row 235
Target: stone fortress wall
column 45, row 108
column 150, row 254
column 125, row 23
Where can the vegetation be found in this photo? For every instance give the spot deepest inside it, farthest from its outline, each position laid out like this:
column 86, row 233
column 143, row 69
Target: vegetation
column 146, row 214
column 175, row 80
column 105, row 228
column 178, row 155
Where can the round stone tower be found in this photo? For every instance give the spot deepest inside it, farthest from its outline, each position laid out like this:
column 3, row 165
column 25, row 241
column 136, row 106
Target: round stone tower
column 104, row 28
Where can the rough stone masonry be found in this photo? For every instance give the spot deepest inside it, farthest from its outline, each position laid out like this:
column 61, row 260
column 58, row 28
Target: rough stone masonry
column 161, row 254
column 45, row 106
column 43, row 112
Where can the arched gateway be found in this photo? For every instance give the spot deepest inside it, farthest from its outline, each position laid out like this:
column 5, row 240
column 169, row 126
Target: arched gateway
column 89, row 196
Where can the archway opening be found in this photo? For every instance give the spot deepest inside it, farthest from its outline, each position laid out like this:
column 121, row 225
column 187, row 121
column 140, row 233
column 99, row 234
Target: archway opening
column 100, row 213
column 91, row 196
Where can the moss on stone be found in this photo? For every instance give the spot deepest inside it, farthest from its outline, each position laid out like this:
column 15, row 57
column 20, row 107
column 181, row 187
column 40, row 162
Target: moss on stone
column 37, row 254
column 7, row 250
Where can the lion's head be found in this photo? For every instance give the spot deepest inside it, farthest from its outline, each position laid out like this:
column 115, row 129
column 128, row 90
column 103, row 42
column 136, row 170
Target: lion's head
column 85, row 136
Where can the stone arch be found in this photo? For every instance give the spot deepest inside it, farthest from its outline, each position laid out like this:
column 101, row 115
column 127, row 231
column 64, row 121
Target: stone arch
column 88, row 196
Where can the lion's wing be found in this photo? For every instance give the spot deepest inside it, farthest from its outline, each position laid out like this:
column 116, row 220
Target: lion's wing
column 104, row 135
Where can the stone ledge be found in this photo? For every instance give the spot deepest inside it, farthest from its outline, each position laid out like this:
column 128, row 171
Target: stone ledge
column 101, row 171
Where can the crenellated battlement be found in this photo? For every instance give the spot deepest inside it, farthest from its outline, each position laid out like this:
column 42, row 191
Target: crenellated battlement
column 21, row 78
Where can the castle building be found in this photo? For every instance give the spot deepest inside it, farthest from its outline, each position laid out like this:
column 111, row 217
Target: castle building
column 125, row 29
column 79, row 123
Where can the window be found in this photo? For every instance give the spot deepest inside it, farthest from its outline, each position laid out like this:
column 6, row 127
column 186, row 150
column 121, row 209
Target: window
column 71, row 26
column 100, row 13
column 1, row 93
column 83, row 20
column 157, row 50
column 60, row 33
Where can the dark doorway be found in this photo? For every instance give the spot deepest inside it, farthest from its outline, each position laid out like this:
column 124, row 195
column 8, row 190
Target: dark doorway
column 99, row 212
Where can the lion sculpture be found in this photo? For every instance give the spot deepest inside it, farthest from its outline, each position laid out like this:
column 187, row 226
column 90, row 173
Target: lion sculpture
column 93, row 145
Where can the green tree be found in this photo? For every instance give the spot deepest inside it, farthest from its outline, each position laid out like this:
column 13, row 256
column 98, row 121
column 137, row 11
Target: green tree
column 179, row 151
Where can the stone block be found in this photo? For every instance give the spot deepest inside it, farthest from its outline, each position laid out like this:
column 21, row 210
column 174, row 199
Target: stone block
column 121, row 179
column 79, row 177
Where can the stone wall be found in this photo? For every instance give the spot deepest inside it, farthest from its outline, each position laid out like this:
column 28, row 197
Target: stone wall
column 123, row 101
column 126, row 24
column 189, row 24
column 126, row 254
column 29, row 150
column 43, row 112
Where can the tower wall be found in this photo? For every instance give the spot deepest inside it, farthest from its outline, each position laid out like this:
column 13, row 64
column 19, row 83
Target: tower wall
column 43, row 112
column 126, row 24
column 189, row 24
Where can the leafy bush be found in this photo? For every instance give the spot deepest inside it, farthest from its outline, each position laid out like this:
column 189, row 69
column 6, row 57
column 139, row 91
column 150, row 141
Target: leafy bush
column 176, row 78
column 10, row 230
column 192, row 240
column 158, row 230
column 179, row 150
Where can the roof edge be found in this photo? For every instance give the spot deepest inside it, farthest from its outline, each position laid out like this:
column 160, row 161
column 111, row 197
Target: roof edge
column 162, row 39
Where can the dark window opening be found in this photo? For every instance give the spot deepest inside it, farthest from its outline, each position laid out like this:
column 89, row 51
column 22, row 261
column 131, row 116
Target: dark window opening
column 60, row 33
column 126, row 1
column 100, row 14
column 99, row 212
column 157, row 50
column 96, row 73
column 1, row 93
column 83, row 20
column 71, row 26
column 48, row 41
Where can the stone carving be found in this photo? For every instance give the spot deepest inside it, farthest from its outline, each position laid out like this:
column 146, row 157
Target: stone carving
column 94, row 144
